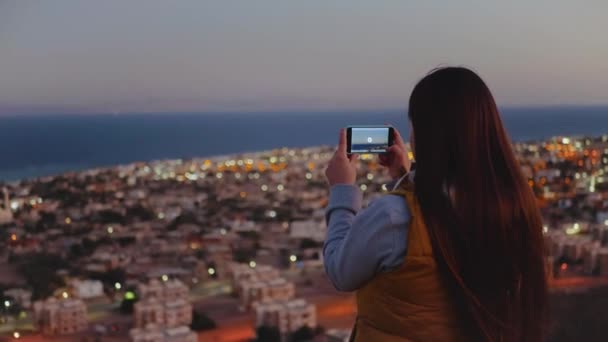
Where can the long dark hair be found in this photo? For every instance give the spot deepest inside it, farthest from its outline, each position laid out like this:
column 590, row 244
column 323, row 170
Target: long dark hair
column 481, row 214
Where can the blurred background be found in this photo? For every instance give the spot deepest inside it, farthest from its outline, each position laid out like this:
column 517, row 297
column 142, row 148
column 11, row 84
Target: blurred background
column 162, row 162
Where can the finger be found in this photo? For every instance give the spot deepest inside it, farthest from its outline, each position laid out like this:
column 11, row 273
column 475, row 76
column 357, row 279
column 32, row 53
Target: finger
column 383, row 159
column 342, row 142
column 354, row 159
column 398, row 138
column 396, row 149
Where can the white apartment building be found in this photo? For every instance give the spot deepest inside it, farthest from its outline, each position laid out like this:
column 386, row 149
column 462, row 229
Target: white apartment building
column 337, row 335
column 287, row 316
column 170, row 290
column 86, row 289
column 243, row 273
column 6, row 213
column 310, row 229
column 155, row 333
column 255, row 293
column 162, row 303
column 21, row 296
column 60, row 316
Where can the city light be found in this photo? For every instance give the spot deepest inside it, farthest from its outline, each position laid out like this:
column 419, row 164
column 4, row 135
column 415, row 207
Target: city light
column 14, row 237
column 237, row 175
column 563, row 266
column 271, row 213
column 65, row 295
column 606, row 222
column 293, row 258
column 16, row 334
column 370, row 176
column 219, row 175
column 243, row 194
column 14, row 205
column 110, row 230
column 384, row 187
column 165, row 277
column 161, row 216
column 211, row 271
column 68, row 220
column 264, row 187
column 129, row 295
column 574, row 230
column 363, row 187
column 308, row 175
column 545, row 229
column 223, row 231
column 117, row 286
column 7, row 303
column 565, row 141
column 252, row 264
column 280, row 187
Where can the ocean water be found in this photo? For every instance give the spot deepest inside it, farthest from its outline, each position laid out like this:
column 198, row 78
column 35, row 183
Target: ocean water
column 39, row 145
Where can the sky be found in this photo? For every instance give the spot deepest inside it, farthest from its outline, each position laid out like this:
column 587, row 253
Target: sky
column 86, row 56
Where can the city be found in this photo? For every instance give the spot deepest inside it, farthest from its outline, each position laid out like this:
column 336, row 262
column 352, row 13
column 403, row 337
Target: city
column 230, row 248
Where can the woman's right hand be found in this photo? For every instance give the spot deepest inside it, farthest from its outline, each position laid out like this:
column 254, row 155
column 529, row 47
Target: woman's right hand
column 396, row 159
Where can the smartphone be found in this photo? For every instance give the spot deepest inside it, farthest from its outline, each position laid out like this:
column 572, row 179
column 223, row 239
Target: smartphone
column 369, row 139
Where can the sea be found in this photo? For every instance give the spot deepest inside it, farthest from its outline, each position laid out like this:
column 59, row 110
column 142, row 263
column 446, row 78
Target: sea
column 43, row 145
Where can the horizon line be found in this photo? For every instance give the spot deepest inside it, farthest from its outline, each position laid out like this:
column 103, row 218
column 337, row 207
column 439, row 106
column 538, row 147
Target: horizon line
column 272, row 111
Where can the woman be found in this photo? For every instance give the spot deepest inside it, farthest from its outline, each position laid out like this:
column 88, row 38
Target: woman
column 455, row 252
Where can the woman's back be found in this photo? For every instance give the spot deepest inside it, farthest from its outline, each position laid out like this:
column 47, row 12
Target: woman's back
column 411, row 303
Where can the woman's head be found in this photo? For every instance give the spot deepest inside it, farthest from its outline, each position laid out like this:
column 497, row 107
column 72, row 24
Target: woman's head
column 487, row 233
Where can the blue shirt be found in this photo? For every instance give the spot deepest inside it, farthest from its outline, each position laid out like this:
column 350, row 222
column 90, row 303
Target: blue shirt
column 362, row 243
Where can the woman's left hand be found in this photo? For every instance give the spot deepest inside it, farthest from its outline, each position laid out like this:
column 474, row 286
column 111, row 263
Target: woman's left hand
column 342, row 168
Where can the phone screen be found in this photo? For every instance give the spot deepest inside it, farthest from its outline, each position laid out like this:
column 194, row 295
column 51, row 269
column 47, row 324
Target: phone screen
column 369, row 139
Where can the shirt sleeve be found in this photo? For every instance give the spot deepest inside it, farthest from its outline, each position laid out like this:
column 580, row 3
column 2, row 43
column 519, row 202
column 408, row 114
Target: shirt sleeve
column 361, row 243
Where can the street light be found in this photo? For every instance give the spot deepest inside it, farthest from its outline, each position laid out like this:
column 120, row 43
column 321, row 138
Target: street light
column 16, row 335
column 252, row 264
column 211, row 271
column 117, row 286
column 293, row 258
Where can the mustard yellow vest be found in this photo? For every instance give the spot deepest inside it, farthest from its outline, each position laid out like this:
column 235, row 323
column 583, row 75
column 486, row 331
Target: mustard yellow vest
column 411, row 303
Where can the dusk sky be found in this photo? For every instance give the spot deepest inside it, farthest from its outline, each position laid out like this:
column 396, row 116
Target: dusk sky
column 169, row 56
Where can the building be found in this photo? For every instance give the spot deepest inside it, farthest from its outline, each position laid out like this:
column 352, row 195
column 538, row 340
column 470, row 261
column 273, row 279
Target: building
column 169, row 290
column 254, row 293
column 21, row 296
column 337, row 335
column 310, row 229
column 162, row 303
column 155, row 333
column 287, row 316
column 243, row 274
column 60, row 316
column 6, row 214
column 87, row 289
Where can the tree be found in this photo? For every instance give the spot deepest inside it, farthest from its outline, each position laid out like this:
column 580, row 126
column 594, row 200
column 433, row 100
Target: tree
column 40, row 271
column 201, row 322
column 266, row 333
column 304, row 334
column 128, row 301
